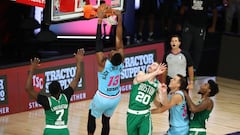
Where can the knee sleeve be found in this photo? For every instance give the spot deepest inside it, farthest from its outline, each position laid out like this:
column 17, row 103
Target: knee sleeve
column 91, row 126
column 105, row 125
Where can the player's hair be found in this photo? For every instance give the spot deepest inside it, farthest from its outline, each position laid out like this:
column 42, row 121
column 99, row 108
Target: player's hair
column 214, row 88
column 54, row 88
column 116, row 59
column 183, row 82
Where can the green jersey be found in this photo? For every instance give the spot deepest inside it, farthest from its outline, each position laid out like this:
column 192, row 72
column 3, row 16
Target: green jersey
column 197, row 122
column 57, row 115
column 142, row 94
column 139, row 120
column 198, row 119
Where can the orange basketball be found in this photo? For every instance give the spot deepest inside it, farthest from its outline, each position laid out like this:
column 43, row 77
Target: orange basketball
column 89, row 12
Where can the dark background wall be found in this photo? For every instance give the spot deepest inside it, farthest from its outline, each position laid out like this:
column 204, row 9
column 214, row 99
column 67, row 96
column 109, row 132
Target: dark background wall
column 229, row 58
column 210, row 55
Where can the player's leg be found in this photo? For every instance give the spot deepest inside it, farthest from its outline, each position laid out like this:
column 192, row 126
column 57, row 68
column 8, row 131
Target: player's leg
column 132, row 124
column 110, row 106
column 96, row 109
column 91, row 125
column 146, row 125
column 105, row 125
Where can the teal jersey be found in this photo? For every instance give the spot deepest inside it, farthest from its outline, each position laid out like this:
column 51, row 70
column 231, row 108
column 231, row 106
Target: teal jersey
column 57, row 115
column 142, row 94
column 178, row 113
column 109, row 79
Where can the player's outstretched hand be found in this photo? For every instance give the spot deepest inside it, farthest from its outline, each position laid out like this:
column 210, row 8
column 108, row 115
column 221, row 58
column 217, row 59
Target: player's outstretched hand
column 162, row 68
column 35, row 62
column 79, row 54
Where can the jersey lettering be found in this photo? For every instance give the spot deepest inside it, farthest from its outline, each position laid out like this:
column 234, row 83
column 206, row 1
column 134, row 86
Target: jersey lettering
column 143, row 98
column 114, row 81
column 59, row 120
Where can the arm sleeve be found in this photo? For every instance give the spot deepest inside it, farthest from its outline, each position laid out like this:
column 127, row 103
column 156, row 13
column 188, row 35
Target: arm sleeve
column 43, row 100
column 99, row 42
column 68, row 92
column 189, row 58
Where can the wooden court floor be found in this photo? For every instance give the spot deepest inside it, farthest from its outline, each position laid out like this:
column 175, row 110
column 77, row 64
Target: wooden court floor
column 224, row 119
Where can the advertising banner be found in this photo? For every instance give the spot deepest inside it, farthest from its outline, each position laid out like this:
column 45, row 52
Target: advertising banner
column 14, row 99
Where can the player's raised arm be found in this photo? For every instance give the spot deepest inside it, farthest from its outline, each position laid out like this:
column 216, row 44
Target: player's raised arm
column 99, row 43
column 29, row 84
column 79, row 57
column 119, row 38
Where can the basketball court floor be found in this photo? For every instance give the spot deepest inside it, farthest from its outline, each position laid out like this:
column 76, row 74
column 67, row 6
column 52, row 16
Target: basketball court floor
column 224, row 119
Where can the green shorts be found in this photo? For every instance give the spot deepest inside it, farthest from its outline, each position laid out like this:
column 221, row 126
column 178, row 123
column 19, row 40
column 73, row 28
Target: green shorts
column 50, row 131
column 197, row 131
column 139, row 124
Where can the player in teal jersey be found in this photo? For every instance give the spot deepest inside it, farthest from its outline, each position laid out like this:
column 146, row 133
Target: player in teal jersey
column 177, row 106
column 200, row 113
column 108, row 95
column 56, row 105
column 143, row 92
